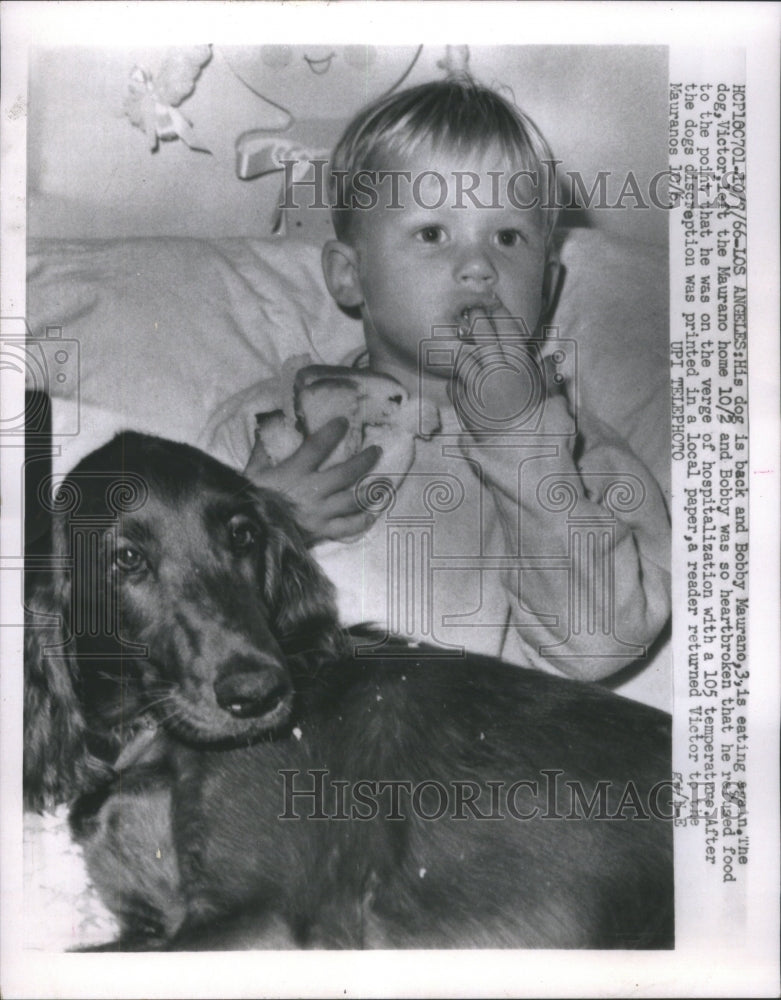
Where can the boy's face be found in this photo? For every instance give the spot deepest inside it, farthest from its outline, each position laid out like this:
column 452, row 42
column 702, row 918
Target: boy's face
column 420, row 267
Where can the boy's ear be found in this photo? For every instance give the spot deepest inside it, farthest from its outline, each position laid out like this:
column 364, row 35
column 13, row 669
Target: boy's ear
column 340, row 269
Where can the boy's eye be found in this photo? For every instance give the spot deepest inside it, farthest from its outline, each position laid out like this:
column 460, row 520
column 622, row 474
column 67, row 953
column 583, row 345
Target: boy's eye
column 431, row 234
column 509, row 237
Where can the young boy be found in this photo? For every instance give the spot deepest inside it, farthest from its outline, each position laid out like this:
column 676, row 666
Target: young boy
column 524, row 529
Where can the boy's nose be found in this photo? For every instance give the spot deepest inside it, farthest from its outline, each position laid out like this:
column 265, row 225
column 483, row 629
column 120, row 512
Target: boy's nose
column 476, row 270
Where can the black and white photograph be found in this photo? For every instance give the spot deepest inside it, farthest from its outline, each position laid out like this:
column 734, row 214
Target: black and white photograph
column 382, row 471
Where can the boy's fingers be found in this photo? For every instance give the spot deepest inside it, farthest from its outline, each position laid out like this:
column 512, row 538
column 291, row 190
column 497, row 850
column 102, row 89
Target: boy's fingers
column 346, row 474
column 258, row 459
column 318, row 446
column 345, row 527
column 482, row 349
column 482, row 328
column 501, row 315
column 340, row 504
column 497, row 347
column 492, row 327
column 507, row 323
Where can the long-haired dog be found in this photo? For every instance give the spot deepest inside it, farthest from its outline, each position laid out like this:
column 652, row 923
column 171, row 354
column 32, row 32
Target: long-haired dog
column 239, row 767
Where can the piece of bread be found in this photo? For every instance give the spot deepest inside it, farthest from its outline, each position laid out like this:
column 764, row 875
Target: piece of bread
column 379, row 410
column 277, row 436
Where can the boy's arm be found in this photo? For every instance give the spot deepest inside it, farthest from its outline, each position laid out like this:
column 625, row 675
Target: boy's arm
column 589, row 527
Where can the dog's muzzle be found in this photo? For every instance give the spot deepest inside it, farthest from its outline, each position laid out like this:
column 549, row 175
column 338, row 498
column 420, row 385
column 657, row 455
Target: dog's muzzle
column 253, row 690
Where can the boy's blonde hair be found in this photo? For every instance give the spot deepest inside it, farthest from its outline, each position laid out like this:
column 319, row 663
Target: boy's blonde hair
column 457, row 114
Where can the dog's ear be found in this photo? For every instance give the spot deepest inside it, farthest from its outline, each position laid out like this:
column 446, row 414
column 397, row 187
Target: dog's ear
column 53, row 721
column 57, row 765
column 301, row 599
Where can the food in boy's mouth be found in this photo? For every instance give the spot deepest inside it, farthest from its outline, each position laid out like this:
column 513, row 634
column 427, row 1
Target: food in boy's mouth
column 483, row 309
column 379, row 411
column 466, row 320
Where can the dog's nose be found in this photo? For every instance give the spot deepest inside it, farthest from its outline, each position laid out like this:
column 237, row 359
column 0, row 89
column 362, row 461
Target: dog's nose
column 251, row 694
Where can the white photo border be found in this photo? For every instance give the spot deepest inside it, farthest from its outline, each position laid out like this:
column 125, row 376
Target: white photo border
column 693, row 969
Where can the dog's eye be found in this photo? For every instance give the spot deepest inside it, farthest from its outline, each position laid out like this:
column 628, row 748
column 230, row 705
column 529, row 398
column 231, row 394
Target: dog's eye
column 127, row 559
column 242, row 534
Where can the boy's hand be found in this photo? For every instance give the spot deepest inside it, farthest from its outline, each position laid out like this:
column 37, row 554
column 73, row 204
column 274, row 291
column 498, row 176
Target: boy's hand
column 326, row 505
column 497, row 385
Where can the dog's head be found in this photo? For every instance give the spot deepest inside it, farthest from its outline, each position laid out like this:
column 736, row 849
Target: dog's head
column 181, row 593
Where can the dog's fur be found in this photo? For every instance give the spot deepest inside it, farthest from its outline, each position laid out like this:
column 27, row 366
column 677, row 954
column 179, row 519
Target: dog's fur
column 224, row 667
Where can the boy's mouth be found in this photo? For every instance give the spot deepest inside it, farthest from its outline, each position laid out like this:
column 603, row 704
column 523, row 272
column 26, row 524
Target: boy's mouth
column 466, row 318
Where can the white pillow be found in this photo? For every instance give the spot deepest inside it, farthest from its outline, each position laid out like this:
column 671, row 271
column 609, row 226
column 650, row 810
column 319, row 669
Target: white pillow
column 615, row 305
column 168, row 328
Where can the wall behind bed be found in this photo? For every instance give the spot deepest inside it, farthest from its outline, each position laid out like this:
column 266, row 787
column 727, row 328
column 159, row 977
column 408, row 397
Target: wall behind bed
column 90, row 173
